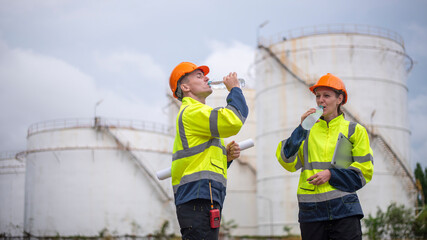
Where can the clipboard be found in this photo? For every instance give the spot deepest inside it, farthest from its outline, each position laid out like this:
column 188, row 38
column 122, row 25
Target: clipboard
column 343, row 157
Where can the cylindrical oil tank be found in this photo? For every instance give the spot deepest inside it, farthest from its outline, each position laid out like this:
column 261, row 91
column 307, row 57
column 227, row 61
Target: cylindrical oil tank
column 12, row 192
column 97, row 178
column 373, row 65
column 240, row 202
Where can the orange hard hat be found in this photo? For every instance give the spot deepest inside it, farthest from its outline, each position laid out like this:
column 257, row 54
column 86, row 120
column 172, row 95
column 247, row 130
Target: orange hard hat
column 182, row 69
column 331, row 81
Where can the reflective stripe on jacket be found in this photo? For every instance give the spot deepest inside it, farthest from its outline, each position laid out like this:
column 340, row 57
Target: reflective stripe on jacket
column 337, row 198
column 199, row 153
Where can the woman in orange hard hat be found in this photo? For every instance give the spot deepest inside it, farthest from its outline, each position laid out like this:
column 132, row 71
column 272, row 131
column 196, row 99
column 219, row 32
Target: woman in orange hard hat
column 328, row 204
column 200, row 158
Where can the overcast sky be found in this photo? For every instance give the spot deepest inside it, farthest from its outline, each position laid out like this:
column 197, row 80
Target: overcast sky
column 59, row 57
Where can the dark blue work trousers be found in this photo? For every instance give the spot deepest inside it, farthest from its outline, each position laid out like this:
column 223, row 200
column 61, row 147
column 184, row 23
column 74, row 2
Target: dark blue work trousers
column 348, row 228
column 194, row 220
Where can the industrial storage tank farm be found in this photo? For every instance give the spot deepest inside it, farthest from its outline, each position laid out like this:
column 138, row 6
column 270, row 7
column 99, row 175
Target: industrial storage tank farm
column 92, row 177
column 12, row 192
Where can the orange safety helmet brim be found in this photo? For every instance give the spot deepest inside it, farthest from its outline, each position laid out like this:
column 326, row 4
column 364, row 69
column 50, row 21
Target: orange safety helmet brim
column 182, row 69
column 331, row 81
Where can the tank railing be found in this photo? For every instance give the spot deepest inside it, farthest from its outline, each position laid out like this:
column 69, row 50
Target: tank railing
column 59, row 124
column 381, row 138
column 126, row 147
column 8, row 155
column 85, row 123
column 331, row 29
column 20, row 156
column 9, row 164
column 134, row 124
column 17, row 155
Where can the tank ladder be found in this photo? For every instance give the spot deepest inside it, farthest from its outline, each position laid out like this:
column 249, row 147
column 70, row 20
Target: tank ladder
column 135, row 159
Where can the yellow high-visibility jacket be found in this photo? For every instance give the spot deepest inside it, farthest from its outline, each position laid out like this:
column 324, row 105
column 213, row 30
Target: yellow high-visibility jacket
column 199, row 153
column 312, row 151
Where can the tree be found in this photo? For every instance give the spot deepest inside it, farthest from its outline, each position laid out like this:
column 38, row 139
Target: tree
column 421, row 177
column 375, row 225
column 396, row 223
column 399, row 221
column 420, row 225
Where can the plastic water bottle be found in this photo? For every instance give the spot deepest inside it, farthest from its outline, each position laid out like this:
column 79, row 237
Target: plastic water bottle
column 221, row 85
column 311, row 119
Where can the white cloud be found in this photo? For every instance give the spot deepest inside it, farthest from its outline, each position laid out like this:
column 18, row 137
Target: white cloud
column 120, row 62
column 133, row 75
column 35, row 87
column 235, row 57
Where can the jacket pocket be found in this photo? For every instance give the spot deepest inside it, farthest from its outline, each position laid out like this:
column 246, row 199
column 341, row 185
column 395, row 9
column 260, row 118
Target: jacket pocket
column 351, row 198
column 308, row 186
column 311, row 206
column 218, row 164
column 185, row 214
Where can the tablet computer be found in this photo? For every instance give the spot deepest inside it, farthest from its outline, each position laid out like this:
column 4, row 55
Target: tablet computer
column 343, row 157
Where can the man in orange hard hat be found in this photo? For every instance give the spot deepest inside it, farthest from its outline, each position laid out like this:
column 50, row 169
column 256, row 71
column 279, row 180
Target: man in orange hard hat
column 200, row 158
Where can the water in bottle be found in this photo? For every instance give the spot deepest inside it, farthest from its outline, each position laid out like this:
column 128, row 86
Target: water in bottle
column 221, row 85
column 311, row 119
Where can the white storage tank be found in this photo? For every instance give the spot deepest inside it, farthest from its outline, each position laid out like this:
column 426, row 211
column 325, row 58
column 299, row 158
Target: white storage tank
column 93, row 178
column 12, row 192
column 373, row 65
column 241, row 198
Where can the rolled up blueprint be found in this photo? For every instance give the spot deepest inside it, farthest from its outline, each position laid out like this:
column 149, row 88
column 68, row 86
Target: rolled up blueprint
column 248, row 143
column 166, row 173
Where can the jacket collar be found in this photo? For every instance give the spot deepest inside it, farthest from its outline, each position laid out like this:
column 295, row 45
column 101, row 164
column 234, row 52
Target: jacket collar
column 334, row 122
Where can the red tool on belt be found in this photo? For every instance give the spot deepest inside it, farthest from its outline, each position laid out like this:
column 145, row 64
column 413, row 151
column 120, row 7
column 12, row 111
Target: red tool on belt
column 214, row 213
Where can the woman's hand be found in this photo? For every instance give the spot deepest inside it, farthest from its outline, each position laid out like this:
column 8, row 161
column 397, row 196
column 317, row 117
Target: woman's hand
column 233, row 151
column 310, row 111
column 320, row 177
